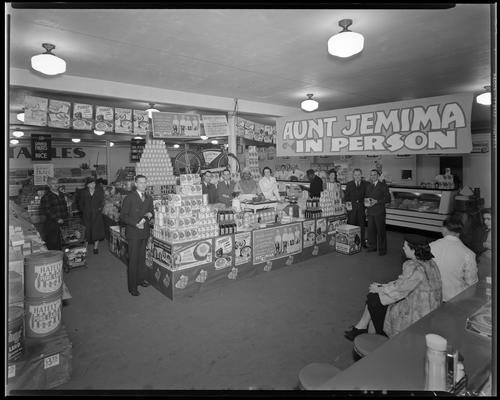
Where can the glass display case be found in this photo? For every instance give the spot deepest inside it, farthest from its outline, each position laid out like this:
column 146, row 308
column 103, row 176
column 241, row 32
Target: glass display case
column 419, row 208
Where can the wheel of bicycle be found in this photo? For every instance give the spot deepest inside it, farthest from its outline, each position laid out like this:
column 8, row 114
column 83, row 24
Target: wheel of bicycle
column 187, row 162
column 225, row 163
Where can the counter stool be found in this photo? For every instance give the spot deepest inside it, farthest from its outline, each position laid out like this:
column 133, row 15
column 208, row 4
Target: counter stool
column 312, row 376
column 365, row 343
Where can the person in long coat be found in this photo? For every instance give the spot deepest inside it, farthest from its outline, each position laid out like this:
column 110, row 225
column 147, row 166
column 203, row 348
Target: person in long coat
column 394, row 306
column 91, row 203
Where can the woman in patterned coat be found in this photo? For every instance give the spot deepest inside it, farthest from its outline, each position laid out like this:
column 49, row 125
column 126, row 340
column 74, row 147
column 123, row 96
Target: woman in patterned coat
column 394, row 306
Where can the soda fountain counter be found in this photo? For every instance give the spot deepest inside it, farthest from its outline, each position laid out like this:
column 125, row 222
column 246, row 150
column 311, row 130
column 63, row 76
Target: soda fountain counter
column 419, row 208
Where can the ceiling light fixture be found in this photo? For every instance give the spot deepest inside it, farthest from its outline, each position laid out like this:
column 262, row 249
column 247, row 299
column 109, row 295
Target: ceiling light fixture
column 309, row 104
column 76, row 140
column 203, row 137
column 151, row 110
column 18, row 134
column 14, row 141
column 20, row 116
column 345, row 43
column 111, row 144
column 176, row 146
column 485, row 98
column 99, row 133
column 138, row 137
column 48, row 63
column 214, row 142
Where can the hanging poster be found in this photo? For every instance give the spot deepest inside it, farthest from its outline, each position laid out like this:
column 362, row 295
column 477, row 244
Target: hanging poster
column 35, row 110
column 59, row 114
column 215, row 125
column 123, row 120
column 136, row 149
column 141, row 122
column 309, row 232
column 175, row 124
column 276, row 242
column 224, row 254
column 424, row 126
column 83, row 116
column 41, row 147
column 104, row 118
column 41, row 172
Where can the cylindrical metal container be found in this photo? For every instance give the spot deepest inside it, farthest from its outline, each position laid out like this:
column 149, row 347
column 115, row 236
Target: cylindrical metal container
column 43, row 274
column 42, row 316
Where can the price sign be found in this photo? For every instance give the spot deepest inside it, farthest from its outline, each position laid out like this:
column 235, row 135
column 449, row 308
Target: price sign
column 41, row 147
column 51, row 361
column 136, row 149
column 41, row 172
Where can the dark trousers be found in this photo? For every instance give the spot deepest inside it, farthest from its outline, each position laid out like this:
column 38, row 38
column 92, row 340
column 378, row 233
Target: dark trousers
column 377, row 312
column 357, row 217
column 52, row 235
column 377, row 236
column 136, row 271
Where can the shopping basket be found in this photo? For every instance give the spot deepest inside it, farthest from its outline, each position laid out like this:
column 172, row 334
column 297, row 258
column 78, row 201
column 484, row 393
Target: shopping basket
column 72, row 231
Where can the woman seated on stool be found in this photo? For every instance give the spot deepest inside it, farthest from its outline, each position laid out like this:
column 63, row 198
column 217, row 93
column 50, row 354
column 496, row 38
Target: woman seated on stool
column 394, row 306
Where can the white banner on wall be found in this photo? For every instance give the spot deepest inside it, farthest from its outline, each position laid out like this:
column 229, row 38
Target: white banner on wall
column 41, row 172
column 423, row 126
column 215, row 125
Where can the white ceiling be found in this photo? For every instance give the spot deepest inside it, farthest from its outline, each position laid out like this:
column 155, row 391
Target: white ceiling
column 268, row 56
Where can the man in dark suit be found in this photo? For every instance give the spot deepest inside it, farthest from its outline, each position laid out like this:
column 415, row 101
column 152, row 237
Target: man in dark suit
column 55, row 209
column 208, row 187
column 377, row 194
column 225, row 189
column 316, row 185
column 136, row 212
column 354, row 197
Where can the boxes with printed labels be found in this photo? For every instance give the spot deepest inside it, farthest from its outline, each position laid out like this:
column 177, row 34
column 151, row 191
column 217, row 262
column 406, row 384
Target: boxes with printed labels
column 45, row 364
column 183, row 255
column 189, row 190
column 348, row 239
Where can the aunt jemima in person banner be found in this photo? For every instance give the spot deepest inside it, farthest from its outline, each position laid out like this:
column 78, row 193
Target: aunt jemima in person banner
column 430, row 125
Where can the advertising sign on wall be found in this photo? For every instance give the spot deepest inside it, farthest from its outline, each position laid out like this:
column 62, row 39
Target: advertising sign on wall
column 123, row 120
column 59, row 114
column 424, row 126
column 35, row 110
column 104, row 118
column 41, row 172
column 141, row 122
column 215, row 125
column 136, row 149
column 175, row 124
column 83, row 116
column 41, row 147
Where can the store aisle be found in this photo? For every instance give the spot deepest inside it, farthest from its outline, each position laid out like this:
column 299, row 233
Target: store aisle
column 253, row 333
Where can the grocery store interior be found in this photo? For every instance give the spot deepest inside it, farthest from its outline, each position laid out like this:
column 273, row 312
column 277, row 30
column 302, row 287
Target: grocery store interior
column 168, row 93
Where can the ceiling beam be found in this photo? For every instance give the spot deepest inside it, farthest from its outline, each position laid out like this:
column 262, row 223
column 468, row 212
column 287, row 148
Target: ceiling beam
column 97, row 87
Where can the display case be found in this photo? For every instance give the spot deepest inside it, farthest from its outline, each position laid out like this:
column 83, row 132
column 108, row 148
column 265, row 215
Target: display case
column 419, row 208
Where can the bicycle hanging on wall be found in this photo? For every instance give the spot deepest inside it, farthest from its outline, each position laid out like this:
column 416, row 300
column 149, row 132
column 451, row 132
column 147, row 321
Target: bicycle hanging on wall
column 212, row 159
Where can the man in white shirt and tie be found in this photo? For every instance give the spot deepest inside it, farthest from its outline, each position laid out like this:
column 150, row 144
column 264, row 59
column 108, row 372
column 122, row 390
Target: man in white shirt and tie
column 456, row 262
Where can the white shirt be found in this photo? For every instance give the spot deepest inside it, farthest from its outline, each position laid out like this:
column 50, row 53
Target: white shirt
column 456, row 263
column 269, row 188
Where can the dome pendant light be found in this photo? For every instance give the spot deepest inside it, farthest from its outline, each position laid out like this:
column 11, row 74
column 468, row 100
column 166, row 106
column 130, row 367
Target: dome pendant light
column 151, row 110
column 309, row 104
column 345, row 43
column 485, row 98
column 48, row 63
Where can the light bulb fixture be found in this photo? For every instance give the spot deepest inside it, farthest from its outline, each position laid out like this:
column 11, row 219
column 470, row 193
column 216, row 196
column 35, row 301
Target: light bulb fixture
column 111, row 144
column 214, row 142
column 138, row 137
column 345, row 43
column 48, row 63
column 203, row 137
column 485, row 98
column 99, row 133
column 176, row 146
column 309, row 104
column 18, row 134
column 151, row 110
column 14, row 141
column 76, row 140
column 20, row 116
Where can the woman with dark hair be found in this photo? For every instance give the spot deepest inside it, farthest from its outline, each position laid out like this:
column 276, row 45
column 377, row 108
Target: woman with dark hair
column 91, row 203
column 396, row 305
column 268, row 185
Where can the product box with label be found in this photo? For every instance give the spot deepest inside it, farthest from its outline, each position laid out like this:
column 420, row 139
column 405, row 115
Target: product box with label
column 179, row 256
column 45, row 364
column 348, row 239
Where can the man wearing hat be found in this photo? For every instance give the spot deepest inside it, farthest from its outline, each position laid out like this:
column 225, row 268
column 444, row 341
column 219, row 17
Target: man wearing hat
column 91, row 204
column 55, row 209
column 137, row 211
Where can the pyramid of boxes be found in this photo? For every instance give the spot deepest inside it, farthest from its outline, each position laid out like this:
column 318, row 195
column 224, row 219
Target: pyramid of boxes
column 156, row 164
column 252, row 162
